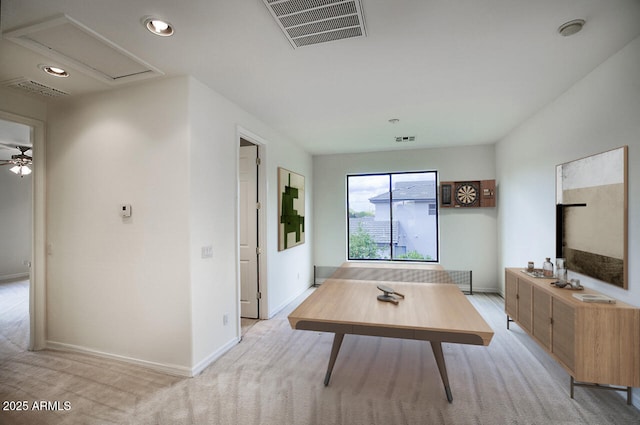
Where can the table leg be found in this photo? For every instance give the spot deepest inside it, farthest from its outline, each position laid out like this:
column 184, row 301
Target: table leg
column 442, row 367
column 337, row 342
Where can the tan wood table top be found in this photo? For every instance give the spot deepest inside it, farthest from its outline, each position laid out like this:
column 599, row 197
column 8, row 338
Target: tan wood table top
column 431, row 307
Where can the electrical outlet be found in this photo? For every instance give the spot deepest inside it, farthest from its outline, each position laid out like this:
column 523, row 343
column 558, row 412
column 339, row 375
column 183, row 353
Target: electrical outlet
column 225, row 319
column 207, row 251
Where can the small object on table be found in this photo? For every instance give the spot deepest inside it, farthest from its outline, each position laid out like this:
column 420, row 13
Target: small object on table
column 547, row 267
column 560, row 283
column 388, row 295
column 595, row 298
column 575, row 284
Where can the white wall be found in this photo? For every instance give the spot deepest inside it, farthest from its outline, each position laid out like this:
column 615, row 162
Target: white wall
column 467, row 236
column 214, row 147
column 137, row 288
column 119, row 286
column 599, row 113
column 15, row 223
column 13, row 101
column 212, row 209
column 290, row 272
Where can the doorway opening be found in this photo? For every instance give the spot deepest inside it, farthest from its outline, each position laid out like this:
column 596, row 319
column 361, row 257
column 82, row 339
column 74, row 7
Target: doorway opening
column 253, row 295
column 16, row 227
column 249, row 163
column 23, row 206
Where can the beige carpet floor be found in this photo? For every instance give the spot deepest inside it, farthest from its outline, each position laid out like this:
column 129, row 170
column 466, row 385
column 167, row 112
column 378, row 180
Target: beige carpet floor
column 275, row 376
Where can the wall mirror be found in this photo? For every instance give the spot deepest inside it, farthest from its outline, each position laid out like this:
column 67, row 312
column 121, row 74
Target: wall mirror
column 591, row 216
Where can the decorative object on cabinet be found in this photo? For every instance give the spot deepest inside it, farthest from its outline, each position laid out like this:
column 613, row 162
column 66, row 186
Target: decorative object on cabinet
column 591, row 216
column 468, row 194
column 594, row 298
column 573, row 284
column 291, row 207
column 598, row 344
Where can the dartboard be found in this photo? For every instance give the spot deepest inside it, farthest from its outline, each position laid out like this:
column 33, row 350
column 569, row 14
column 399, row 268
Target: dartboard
column 467, row 194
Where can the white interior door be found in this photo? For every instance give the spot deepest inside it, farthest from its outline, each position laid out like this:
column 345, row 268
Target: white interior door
column 249, row 232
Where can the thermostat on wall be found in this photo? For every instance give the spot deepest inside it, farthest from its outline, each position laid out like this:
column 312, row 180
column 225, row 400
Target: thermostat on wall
column 126, row 210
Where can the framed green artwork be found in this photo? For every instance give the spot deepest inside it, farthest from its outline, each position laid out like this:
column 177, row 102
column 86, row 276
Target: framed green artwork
column 291, row 209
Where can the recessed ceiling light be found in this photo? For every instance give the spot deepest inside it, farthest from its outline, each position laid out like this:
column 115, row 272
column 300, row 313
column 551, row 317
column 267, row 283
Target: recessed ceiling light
column 571, row 27
column 158, row 27
column 54, row 70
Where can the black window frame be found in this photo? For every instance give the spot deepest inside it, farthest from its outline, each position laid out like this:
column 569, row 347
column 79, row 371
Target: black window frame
column 390, row 189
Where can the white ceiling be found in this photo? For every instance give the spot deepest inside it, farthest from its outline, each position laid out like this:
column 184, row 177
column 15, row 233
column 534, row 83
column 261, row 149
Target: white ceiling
column 454, row 72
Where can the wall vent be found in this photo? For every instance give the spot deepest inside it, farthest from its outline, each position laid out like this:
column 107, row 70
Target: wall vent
column 34, row 87
column 73, row 44
column 307, row 22
column 404, row 139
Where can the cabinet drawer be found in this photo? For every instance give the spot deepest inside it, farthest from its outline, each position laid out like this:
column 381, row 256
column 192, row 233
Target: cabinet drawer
column 563, row 333
column 542, row 317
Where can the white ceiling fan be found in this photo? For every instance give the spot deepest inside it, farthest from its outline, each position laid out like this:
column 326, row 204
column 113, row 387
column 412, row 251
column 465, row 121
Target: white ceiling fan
column 21, row 162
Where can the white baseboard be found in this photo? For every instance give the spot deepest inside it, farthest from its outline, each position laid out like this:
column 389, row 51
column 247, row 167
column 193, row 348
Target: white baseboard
column 202, row 365
column 159, row 367
column 288, row 301
column 14, row 276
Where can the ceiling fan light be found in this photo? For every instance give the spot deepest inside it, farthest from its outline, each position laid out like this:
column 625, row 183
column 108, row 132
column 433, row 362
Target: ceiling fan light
column 21, row 170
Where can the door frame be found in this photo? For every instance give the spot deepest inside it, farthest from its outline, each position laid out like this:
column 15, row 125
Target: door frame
column 263, row 302
column 38, row 270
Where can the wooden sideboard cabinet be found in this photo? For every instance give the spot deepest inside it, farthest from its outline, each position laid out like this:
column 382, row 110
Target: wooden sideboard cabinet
column 595, row 343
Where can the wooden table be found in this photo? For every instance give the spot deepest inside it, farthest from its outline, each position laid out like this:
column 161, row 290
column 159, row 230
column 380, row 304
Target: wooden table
column 435, row 312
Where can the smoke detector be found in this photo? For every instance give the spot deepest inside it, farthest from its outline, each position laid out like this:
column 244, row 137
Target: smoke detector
column 571, row 27
column 307, row 22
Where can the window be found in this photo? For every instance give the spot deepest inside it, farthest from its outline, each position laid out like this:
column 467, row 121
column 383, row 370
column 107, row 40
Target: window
column 393, row 216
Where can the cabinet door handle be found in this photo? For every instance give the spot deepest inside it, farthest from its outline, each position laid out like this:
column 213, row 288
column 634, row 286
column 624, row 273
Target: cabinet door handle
column 551, row 320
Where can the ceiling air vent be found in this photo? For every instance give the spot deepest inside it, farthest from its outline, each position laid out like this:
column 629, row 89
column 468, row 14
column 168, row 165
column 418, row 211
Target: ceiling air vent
column 307, row 22
column 403, row 139
column 34, row 87
column 71, row 43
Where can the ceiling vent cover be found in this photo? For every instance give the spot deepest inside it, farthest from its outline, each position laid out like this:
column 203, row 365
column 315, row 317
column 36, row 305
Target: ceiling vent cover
column 34, row 87
column 404, row 139
column 307, row 22
column 71, row 43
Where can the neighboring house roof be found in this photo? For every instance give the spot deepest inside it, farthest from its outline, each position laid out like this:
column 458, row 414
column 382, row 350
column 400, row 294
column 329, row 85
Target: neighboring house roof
column 409, row 191
column 380, row 230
